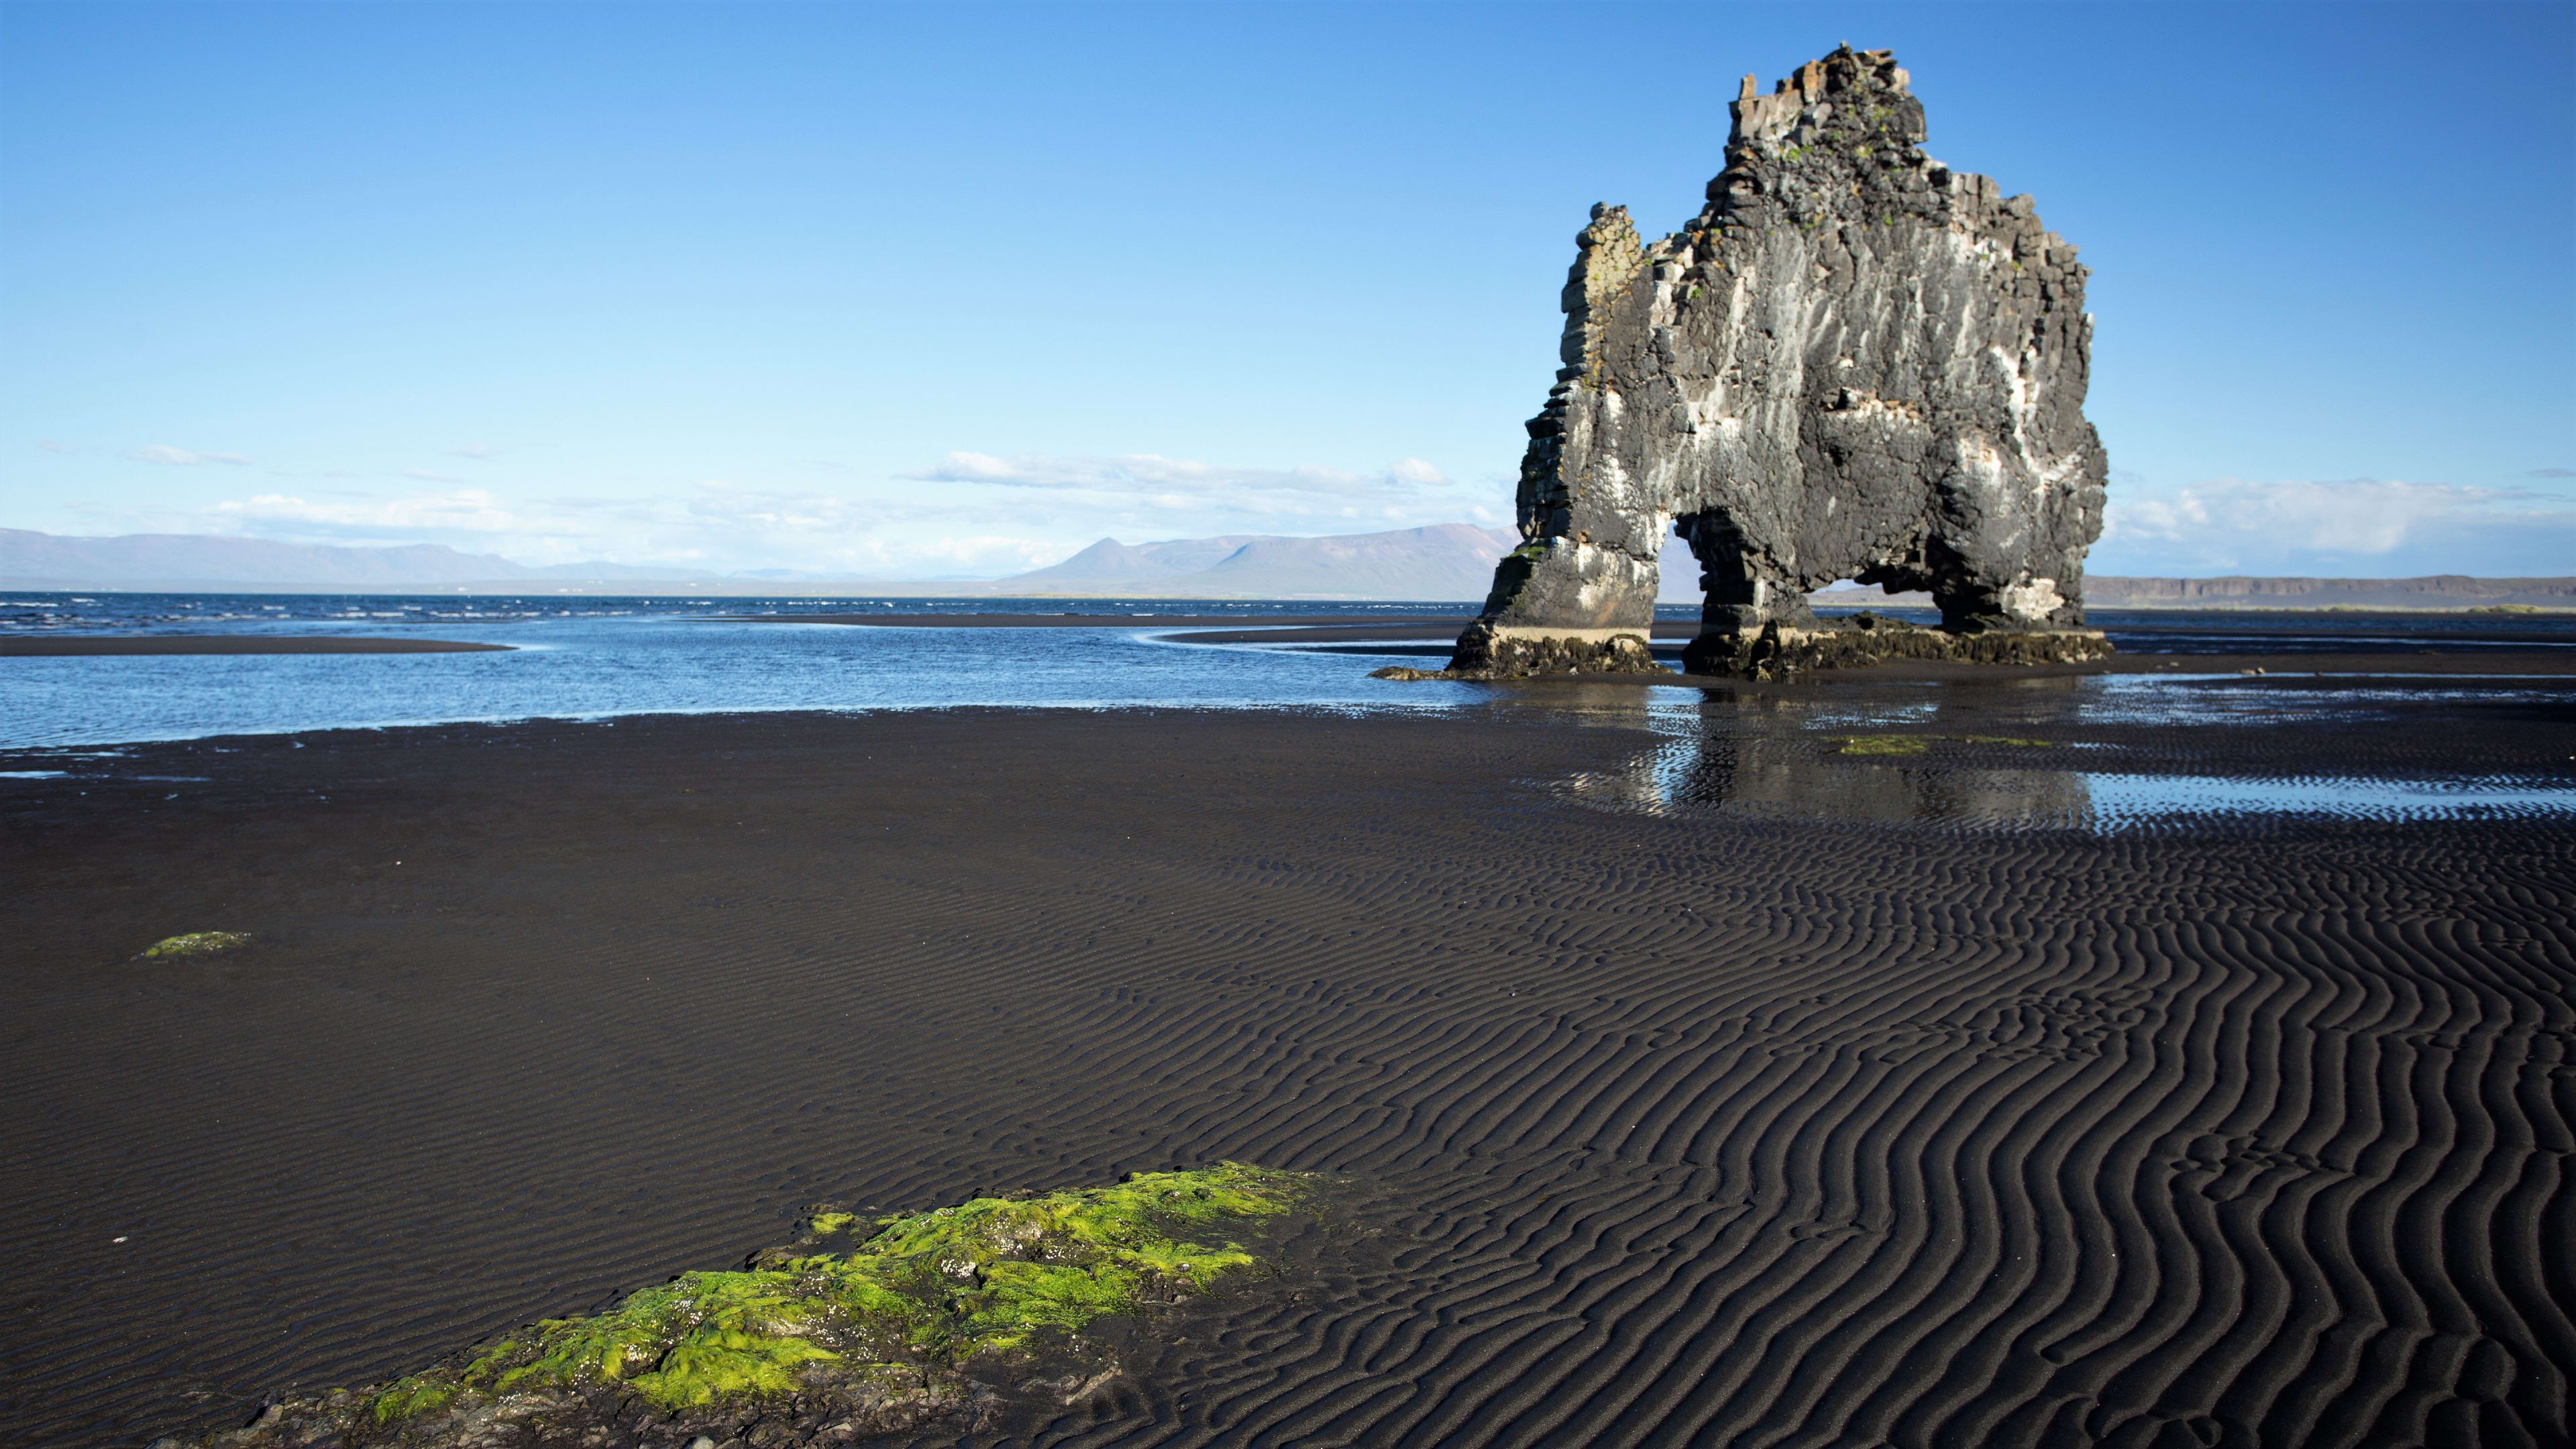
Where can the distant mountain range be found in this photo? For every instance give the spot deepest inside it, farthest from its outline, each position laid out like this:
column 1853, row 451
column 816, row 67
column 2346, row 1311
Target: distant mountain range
column 1445, row 563
column 1452, row 562
column 1448, row 561
column 2437, row 591
column 2432, row 594
column 188, row 561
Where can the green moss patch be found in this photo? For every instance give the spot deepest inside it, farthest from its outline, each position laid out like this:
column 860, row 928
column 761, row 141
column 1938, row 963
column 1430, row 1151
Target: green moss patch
column 1882, row 745
column 197, row 943
column 1917, row 744
column 921, row 1314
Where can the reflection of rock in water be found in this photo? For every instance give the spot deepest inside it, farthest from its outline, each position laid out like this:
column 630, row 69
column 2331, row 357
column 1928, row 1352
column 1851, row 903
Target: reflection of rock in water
column 1607, row 706
column 1787, row 777
column 1790, row 772
column 1641, row 786
column 1598, row 706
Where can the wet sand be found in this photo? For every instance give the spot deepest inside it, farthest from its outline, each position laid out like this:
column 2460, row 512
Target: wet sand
column 1864, row 1124
column 2336, row 670
column 56, row 646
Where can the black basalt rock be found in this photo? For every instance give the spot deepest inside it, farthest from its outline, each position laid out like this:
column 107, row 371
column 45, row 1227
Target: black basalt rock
column 1854, row 363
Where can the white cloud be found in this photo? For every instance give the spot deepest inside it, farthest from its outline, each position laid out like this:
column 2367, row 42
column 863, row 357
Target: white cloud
column 182, row 458
column 1175, row 482
column 2371, row 525
column 2357, row 516
column 715, row 528
column 51, row 446
column 474, row 450
column 998, row 515
column 467, row 510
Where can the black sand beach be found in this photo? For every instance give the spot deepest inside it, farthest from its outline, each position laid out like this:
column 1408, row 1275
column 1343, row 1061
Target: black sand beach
column 1874, row 1124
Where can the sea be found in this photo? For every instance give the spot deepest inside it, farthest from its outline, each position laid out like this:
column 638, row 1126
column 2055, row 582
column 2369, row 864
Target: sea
column 596, row 658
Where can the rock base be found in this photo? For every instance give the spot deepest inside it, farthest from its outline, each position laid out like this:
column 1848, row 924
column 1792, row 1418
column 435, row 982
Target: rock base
column 1487, row 651
column 1865, row 640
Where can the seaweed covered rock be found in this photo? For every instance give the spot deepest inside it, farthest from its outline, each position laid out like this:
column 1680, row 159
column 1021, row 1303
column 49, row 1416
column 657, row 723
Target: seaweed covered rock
column 945, row 1320
column 195, row 943
column 1854, row 363
column 1773, row 652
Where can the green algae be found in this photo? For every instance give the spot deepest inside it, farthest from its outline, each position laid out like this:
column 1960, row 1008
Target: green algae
column 922, row 1296
column 197, row 943
column 1917, row 744
column 1883, row 745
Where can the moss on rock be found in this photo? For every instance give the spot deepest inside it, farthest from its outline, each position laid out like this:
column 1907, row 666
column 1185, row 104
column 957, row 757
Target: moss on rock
column 1865, row 640
column 1882, row 745
column 197, row 943
column 930, row 1318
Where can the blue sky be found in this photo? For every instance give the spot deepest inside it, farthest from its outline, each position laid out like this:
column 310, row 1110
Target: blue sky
column 925, row 290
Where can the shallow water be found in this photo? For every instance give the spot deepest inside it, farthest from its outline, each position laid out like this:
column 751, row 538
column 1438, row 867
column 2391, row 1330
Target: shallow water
column 605, row 665
column 2098, row 801
column 2125, row 798
column 2013, row 756
column 1748, row 753
column 25, row 612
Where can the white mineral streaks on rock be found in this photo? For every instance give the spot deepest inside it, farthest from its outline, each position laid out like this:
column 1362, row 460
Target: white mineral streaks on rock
column 1853, row 363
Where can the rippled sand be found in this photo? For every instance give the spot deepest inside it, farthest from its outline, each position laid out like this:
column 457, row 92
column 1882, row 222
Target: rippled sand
column 1700, row 1077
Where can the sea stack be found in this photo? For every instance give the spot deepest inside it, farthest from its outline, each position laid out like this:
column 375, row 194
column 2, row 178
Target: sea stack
column 1854, row 363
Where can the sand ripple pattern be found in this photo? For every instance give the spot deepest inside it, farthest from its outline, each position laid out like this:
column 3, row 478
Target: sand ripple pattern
column 1673, row 1130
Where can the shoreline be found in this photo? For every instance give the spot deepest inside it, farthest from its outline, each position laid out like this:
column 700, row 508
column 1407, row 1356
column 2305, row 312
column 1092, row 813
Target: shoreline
column 2286, row 674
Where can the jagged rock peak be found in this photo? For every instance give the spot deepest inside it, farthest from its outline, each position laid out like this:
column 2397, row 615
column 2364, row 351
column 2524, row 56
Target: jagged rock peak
column 1852, row 363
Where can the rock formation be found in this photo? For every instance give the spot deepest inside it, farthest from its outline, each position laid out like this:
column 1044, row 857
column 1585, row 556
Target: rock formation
column 1853, row 363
